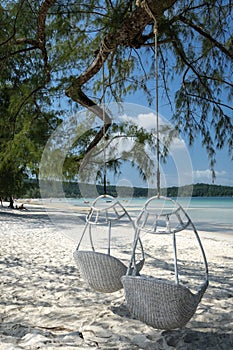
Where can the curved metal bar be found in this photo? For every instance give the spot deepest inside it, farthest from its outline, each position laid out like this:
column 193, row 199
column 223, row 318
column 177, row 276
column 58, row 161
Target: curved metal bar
column 175, row 258
column 91, row 241
column 109, row 237
column 84, row 230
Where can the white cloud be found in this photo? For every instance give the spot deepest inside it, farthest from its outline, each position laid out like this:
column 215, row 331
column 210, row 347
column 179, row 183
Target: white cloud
column 178, row 144
column 202, row 174
column 207, row 173
column 146, row 121
column 222, row 177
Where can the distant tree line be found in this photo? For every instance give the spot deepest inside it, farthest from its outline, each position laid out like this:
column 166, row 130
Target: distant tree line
column 201, row 190
column 72, row 190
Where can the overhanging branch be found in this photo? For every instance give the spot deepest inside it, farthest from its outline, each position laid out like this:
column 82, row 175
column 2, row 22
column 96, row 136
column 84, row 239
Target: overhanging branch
column 41, row 34
column 206, row 35
column 129, row 34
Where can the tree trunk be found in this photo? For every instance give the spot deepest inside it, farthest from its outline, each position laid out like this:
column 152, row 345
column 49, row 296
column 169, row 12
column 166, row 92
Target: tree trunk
column 11, row 205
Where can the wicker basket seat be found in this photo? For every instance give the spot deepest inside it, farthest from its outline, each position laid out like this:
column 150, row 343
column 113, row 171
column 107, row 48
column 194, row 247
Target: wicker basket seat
column 157, row 302
column 102, row 271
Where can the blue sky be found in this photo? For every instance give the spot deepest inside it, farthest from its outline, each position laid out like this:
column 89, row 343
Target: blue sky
column 201, row 172
column 200, row 164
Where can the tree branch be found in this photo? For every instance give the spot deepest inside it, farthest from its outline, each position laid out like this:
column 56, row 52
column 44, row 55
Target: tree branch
column 14, row 26
column 217, row 103
column 206, row 35
column 45, row 6
column 180, row 51
column 18, row 51
column 41, row 44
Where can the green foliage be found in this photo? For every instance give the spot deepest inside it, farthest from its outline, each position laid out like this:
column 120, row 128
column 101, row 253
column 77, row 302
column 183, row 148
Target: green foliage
column 195, row 70
column 22, row 140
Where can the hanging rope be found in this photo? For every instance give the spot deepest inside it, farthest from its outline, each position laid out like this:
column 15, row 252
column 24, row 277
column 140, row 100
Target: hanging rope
column 104, row 131
column 155, row 30
column 157, row 104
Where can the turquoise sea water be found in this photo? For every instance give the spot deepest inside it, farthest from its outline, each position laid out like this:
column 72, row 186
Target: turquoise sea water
column 212, row 214
column 207, row 213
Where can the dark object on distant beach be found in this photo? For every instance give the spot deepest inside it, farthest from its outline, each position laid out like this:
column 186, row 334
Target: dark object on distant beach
column 81, row 335
column 21, row 207
column 11, row 205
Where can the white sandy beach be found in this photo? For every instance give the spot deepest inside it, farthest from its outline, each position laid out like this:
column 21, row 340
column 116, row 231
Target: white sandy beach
column 46, row 305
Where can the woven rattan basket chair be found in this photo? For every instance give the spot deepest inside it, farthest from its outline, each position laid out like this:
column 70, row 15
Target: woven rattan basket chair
column 102, row 271
column 160, row 303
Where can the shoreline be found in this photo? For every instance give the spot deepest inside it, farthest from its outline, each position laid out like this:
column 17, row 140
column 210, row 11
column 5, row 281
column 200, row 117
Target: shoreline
column 51, row 209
